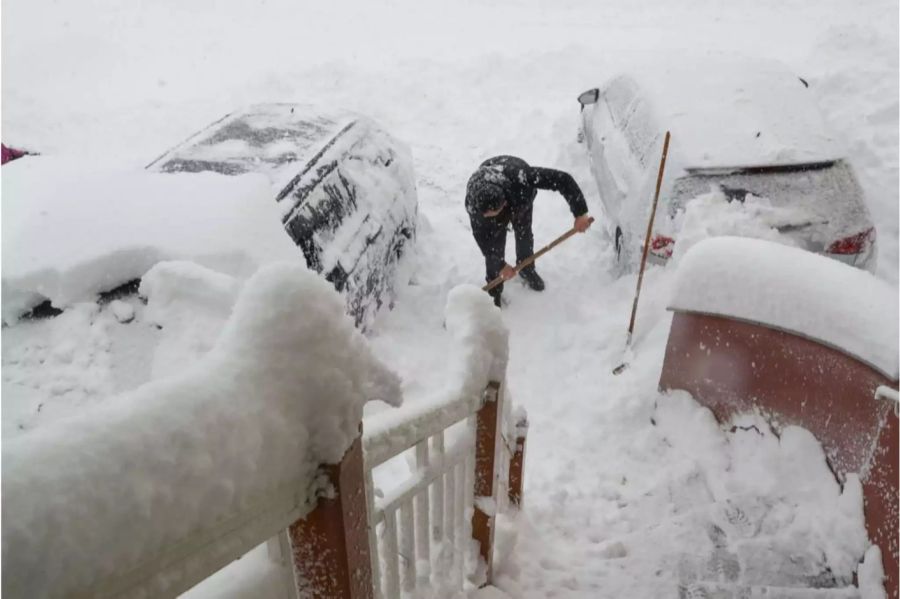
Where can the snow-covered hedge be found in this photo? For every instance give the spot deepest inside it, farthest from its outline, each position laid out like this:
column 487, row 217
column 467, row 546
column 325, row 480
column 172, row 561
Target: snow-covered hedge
column 792, row 290
column 100, row 495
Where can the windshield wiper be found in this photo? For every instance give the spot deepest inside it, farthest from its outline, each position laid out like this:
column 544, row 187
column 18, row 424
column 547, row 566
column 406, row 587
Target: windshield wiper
column 734, row 193
column 719, row 171
column 797, row 227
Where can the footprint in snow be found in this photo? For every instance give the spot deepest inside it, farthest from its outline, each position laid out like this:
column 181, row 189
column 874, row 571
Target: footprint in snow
column 614, row 550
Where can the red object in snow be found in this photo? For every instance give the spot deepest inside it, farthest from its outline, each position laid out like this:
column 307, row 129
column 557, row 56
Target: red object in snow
column 793, row 380
column 855, row 244
column 7, row 154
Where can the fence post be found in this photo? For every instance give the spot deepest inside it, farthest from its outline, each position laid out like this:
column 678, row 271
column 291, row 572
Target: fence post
column 331, row 544
column 487, row 436
column 517, row 464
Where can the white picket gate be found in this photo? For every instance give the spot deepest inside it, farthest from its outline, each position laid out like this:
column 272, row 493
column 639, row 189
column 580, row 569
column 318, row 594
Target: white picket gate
column 424, row 523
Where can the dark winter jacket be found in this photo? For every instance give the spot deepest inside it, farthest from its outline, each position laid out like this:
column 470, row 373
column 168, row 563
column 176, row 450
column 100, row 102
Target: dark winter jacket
column 518, row 182
column 511, row 180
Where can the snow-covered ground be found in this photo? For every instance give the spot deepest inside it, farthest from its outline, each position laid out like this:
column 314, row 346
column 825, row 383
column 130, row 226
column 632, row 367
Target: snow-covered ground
column 628, row 493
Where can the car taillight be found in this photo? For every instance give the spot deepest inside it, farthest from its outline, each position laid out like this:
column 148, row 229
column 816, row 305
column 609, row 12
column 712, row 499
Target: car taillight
column 661, row 246
column 855, row 244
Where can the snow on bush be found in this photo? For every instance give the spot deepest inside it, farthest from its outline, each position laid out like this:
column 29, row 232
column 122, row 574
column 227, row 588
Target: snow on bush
column 69, row 233
column 792, row 290
column 281, row 391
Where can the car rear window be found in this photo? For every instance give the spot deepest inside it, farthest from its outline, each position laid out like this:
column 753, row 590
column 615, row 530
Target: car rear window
column 828, row 185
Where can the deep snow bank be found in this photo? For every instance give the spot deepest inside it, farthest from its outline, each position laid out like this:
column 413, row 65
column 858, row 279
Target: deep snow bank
column 281, row 392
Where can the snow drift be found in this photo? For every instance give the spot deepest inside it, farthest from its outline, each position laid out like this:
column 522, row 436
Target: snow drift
column 281, row 392
column 69, row 232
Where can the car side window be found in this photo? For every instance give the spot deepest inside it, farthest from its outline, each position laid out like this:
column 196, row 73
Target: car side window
column 620, row 96
column 632, row 115
column 641, row 131
column 608, row 160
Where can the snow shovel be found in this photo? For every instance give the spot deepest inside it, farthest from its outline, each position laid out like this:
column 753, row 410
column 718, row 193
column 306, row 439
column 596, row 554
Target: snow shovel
column 530, row 259
column 637, row 294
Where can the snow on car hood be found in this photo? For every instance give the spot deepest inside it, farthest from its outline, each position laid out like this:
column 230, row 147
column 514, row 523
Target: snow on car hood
column 735, row 112
column 70, row 231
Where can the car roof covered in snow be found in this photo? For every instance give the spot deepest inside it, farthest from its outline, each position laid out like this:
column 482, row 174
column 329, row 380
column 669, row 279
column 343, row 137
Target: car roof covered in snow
column 725, row 111
column 795, row 291
column 260, row 138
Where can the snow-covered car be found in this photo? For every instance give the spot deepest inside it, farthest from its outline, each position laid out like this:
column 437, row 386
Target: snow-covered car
column 744, row 132
column 341, row 187
column 344, row 186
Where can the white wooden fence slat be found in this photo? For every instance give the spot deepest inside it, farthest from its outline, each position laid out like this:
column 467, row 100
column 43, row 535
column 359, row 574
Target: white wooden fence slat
column 391, row 556
column 373, row 541
column 462, row 490
column 407, row 546
column 437, row 489
column 450, row 513
column 423, row 536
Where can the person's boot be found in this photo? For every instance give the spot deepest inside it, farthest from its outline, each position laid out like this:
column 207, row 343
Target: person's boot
column 496, row 294
column 532, row 279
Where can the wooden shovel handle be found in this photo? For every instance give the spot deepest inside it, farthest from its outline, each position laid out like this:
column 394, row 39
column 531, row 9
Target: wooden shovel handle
column 659, row 178
column 530, row 259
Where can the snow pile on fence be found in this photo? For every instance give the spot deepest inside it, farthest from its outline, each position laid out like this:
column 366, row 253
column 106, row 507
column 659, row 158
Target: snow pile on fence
column 191, row 304
column 479, row 356
column 478, row 328
column 69, row 232
column 104, row 493
column 795, row 291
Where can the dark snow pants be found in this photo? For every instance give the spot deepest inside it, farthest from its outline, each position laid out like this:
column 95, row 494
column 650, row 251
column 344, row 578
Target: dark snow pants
column 490, row 234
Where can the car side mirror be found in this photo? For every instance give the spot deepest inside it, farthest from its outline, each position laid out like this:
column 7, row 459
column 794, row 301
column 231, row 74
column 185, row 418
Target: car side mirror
column 589, row 97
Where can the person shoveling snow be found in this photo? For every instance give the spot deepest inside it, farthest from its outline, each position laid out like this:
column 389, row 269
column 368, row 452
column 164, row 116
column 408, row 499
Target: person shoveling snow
column 501, row 192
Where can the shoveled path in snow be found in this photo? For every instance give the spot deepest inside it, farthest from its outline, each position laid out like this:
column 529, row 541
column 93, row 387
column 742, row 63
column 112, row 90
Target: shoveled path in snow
column 611, row 509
